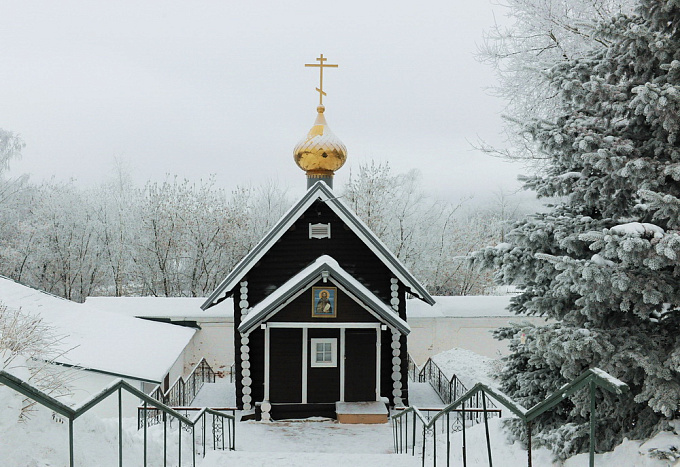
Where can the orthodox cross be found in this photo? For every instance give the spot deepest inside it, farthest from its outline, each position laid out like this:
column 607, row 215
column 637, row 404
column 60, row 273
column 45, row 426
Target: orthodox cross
column 321, row 65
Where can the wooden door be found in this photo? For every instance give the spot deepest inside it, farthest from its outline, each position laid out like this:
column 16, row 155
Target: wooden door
column 323, row 383
column 360, row 349
column 285, row 365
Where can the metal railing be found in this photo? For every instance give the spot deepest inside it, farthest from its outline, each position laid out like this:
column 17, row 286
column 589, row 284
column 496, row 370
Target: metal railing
column 448, row 389
column 422, row 431
column 211, row 421
column 413, row 370
column 152, row 416
column 183, row 391
column 184, row 423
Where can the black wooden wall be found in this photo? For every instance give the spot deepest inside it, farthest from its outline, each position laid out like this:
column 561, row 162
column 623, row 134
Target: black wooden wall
column 293, row 252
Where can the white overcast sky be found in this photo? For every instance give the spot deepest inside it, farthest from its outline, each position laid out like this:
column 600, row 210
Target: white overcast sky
column 219, row 87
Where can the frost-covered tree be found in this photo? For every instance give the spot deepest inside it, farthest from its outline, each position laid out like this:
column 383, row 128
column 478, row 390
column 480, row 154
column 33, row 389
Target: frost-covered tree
column 431, row 237
column 604, row 262
column 118, row 216
column 66, row 254
column 16, row 197
column 27, row 346
column 535, row 35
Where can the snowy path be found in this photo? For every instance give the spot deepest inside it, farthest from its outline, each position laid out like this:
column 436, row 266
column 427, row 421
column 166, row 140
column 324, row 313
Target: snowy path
column 423, row 395
column 311, row 442
column 269, row 459
column 221, row 393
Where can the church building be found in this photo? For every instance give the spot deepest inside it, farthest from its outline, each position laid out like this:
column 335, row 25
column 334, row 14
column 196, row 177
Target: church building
column 319, row 302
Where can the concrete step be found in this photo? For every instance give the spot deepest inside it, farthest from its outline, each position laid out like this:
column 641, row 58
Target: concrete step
column 306, row 459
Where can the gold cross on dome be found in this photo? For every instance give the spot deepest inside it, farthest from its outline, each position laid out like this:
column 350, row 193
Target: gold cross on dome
column 321, row 65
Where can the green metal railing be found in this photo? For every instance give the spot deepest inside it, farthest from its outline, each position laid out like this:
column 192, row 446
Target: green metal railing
column 403, row 433
column 118, row 386
column 183, row 391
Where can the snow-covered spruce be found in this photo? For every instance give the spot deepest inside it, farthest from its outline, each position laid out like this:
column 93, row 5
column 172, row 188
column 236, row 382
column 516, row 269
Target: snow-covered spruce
column 604, row 262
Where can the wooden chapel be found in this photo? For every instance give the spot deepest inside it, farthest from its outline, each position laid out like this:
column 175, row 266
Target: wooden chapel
column 320, row 303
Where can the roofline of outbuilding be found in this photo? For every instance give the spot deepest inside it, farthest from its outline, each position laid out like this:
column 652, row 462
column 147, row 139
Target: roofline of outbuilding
column 104, row 372
column 352, row 221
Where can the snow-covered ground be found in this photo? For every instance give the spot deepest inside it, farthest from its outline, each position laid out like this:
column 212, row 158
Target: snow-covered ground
column 311, row 442
column 42, row 440
column 469, row 367
column 422, row 395
column 221, row 393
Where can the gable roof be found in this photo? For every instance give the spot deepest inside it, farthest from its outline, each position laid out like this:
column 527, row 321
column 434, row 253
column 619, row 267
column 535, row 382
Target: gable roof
column 320, row 191
column 100, row 341
column 310, row 276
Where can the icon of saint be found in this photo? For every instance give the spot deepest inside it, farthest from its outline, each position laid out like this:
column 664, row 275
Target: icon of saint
column 324, row 305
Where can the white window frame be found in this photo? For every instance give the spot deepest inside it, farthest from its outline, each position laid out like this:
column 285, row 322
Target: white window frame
column 334, row 352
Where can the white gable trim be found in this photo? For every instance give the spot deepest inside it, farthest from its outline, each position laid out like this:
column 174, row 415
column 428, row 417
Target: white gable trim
column 319, row 191
column 309, row 276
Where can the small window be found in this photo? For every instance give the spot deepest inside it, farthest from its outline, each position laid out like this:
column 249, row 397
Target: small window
column 320, row 230
column 324, row 352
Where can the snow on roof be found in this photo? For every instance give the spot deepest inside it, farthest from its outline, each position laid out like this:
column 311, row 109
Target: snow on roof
column 174, row 308
column 309, row 276
column 319, row 191
column 98, row 340
column 483, row 306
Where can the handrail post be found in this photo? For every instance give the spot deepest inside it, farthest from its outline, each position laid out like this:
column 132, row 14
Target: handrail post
column 592, row 423
column 448, row 440
column 434, row 443
column 145, row 424
column 120, row 427
column 413, row 449
column 406, row 434
column 423, row 454
column 193, row 445
column 529, row 444
column 486, row 428
column 70, row 441
column 464, row 447
column 165, row 439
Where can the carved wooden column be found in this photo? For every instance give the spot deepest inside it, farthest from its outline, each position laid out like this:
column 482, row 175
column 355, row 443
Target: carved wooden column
column 246, row 380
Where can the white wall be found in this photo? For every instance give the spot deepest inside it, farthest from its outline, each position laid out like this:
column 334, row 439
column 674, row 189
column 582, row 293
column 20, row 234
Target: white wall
column 214, row 342
column 87, row 384
column 430, row 336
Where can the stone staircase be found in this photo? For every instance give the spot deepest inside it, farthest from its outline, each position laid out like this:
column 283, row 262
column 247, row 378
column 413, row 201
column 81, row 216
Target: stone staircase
column 221, row 393
column 306, row 459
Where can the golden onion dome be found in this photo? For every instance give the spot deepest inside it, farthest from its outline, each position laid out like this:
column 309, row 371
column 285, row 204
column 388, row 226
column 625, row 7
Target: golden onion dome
column 321, row 152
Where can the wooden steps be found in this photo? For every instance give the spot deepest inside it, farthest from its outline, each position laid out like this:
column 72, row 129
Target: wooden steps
column 361, row 412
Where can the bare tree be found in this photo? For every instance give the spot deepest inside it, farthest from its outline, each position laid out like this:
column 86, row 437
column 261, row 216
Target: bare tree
column 430, row 236
column 27, row 346
column 67, row 256
column 536, row 35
